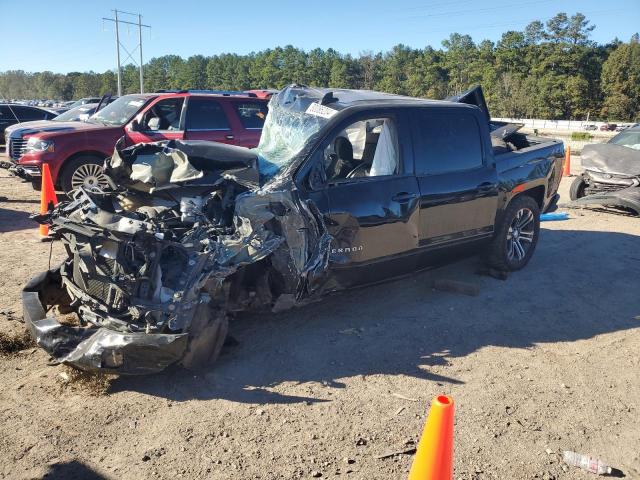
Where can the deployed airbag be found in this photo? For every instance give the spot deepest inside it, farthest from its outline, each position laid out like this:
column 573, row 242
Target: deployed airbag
column 174, row 162
column 385, row 158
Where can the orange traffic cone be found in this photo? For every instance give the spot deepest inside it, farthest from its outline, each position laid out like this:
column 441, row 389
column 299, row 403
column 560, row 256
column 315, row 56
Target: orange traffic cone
column 47, row 197
column 567, row 162
column 434, row 456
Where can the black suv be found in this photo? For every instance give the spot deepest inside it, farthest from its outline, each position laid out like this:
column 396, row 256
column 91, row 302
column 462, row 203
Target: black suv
column 11, row 114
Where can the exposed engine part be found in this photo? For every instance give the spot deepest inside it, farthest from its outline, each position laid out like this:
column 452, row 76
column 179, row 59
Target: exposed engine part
column 169, row 252
column 191, row 209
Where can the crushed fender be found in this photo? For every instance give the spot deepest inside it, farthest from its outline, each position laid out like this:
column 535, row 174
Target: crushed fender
column 188, row 232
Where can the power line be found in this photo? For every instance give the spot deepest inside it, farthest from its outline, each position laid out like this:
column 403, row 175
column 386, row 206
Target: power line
column 119, row 44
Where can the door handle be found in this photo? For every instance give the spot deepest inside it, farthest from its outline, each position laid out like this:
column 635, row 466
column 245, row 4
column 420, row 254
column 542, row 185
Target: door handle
column 229, row 137
column 404, row 197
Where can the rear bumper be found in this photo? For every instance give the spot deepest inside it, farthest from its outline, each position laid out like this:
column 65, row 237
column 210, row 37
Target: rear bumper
column 94, row 348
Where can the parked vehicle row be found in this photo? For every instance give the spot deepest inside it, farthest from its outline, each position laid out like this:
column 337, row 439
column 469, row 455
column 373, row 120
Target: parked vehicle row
column 77, row 103
column 607, row 127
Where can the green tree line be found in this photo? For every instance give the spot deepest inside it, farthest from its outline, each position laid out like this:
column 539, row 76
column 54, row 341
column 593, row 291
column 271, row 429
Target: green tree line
column 548, row 70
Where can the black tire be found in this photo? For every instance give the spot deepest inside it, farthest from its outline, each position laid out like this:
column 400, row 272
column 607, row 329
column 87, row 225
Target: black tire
column 73, row 169
column 503, row 254
column 207, row 334
column 576, row 190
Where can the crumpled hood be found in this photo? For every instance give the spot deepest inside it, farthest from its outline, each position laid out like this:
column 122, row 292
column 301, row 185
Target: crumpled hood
column 165, row 164
column 610, row 158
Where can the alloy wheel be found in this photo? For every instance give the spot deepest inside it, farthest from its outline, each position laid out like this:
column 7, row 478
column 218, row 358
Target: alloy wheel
column 520, row 235
column 89, row 176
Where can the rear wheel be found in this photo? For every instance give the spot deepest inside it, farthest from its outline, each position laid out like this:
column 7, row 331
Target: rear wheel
column 207, row 334
column 577, row 188
column 516, row 235
column 84, row 171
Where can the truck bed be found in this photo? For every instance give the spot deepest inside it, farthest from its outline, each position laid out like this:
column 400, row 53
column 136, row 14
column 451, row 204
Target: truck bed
column 528, row 149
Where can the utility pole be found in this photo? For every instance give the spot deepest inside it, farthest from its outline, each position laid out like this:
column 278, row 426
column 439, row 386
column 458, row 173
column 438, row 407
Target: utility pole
column 119, row 44
column 140, row 45
column 118, row 56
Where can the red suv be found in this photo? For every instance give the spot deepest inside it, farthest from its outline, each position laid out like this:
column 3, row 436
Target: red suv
column 75, row 151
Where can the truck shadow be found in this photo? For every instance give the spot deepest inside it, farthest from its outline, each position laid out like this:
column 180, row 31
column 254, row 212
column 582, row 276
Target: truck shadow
column 579, row 284
column 72, row 470
column 13, row 220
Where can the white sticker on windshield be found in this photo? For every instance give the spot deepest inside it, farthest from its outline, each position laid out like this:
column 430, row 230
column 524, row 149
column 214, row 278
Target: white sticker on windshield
column 320, row 110
column 136, row 103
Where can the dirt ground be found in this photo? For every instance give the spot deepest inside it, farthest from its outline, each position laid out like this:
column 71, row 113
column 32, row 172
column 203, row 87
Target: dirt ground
column 545, row 361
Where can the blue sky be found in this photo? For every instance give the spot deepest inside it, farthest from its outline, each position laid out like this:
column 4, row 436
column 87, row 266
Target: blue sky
column 69, row 35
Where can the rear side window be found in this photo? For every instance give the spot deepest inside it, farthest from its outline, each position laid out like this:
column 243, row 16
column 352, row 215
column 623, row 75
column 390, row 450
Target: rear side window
column 5, row 113
column 26, row 114
column 206, row 114
column 445, row 142
column 252, row 114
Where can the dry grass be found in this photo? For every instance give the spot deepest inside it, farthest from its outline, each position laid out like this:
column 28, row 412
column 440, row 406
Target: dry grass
column 94, row 384
column 11, row 343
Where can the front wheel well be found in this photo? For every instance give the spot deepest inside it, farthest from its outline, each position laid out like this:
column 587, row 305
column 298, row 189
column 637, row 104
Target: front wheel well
column 88, row 153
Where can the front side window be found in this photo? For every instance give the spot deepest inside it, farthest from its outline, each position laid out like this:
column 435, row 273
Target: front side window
column 163, row 115
column 446, row 142
column 366, row 148
column 206, row 114
column 252, row 114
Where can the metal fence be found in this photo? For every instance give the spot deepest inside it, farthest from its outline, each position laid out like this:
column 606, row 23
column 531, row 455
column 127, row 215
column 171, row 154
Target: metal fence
column 568, row 125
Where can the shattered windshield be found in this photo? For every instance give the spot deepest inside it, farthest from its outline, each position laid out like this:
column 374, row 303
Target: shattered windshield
column 627, row 139
column 293, row 118
column 120, row 111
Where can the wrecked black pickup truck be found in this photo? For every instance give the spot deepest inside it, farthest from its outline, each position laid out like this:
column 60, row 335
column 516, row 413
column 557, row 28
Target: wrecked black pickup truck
column 346, row 188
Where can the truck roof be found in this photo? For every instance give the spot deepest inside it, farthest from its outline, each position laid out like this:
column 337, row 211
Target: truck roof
column 299, row 97
column 340, row 98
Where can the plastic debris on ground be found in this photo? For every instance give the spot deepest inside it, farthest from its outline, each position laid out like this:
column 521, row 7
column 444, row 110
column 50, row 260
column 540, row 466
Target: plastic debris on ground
column 550, row 217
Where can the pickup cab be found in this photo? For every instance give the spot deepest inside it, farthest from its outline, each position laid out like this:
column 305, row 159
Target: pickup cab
column 346, row 188
column 75, row 151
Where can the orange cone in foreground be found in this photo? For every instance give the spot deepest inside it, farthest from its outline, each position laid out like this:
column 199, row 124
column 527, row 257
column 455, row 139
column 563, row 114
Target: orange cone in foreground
column 567, row 162
column 434, row 456
column 47, row 196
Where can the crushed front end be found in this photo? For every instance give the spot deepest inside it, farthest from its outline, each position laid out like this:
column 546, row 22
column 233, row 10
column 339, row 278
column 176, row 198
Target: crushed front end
column 611, row 174
column 154, row 264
